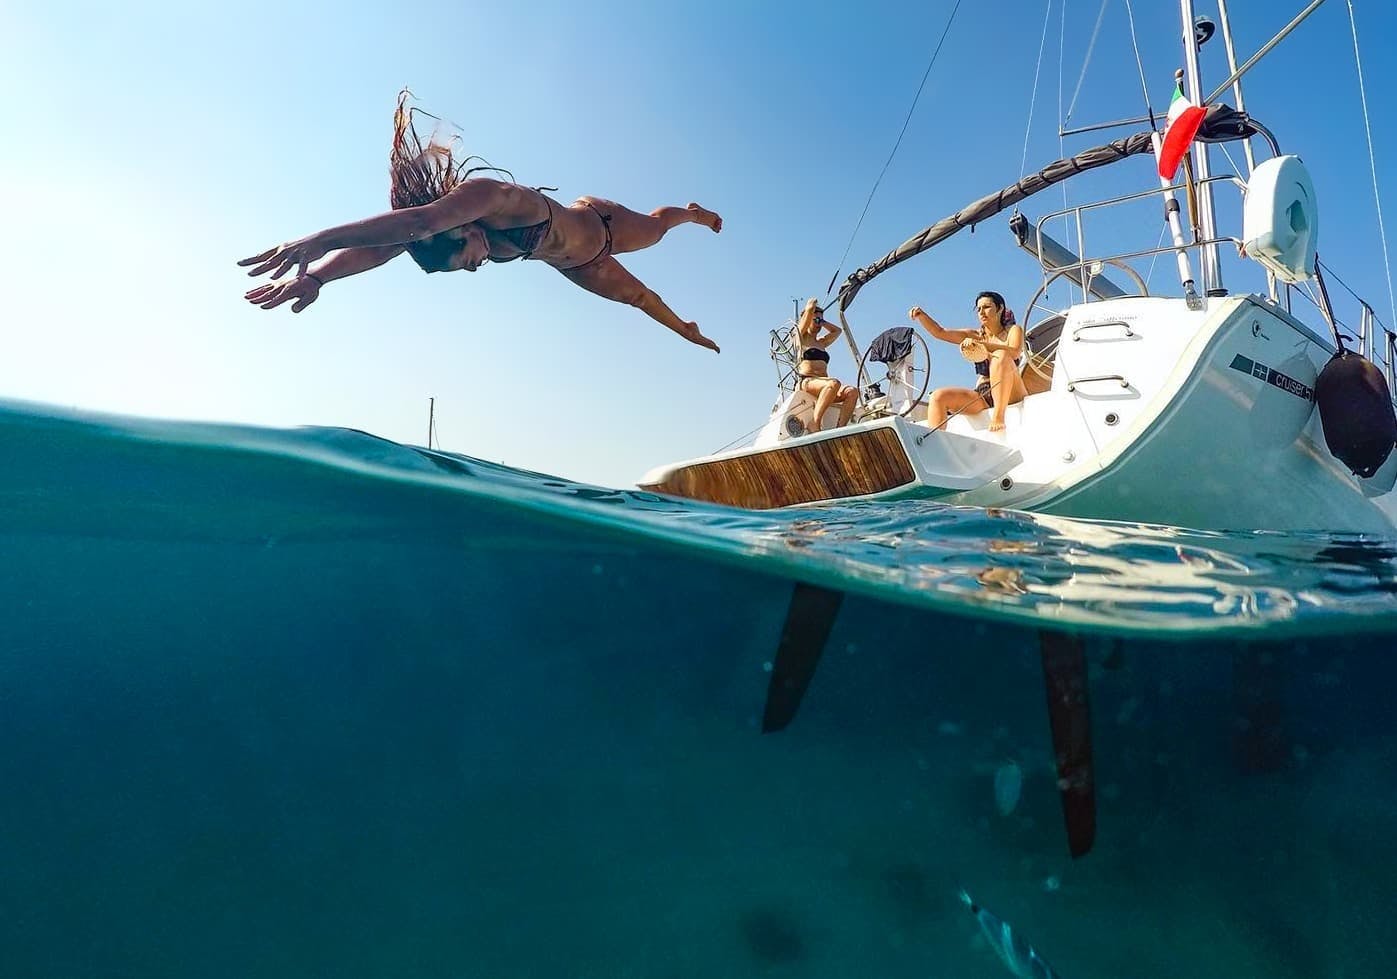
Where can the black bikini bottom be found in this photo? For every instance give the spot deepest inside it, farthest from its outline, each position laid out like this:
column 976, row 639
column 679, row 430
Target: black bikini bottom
column 605, row 249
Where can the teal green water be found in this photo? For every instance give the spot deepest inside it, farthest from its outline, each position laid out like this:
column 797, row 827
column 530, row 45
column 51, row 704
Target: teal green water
column 313, row 703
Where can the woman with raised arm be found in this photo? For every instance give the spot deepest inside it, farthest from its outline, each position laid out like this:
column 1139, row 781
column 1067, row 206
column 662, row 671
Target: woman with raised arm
column 994, row 348
column 814, row 333
column 448, row 220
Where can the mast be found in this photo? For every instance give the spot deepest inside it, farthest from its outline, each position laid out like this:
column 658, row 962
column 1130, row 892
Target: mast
column 1226, row 25
column 1207, row 215
column 431, row 419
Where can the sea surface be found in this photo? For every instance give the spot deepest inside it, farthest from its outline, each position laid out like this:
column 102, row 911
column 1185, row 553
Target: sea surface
column 312, row 703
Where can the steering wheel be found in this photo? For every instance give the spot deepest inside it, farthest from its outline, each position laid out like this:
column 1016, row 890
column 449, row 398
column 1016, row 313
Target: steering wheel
column 1042, row 289
column 784, row 358
column 919, row 360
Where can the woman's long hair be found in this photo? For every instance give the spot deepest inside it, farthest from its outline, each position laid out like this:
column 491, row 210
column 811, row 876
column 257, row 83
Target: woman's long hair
column 418, row 172
column 1006, row 315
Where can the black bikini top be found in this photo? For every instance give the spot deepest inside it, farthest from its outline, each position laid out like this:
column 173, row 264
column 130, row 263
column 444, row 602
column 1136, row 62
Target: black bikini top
column 983, row 367
column 814, row 353
column 526, row 238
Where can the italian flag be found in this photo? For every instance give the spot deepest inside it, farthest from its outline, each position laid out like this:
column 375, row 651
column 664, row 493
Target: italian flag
column 1184, row 120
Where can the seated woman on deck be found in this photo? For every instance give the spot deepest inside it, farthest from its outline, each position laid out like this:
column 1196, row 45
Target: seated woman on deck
column 998, row 383
column 813, row 369
column 448, row 220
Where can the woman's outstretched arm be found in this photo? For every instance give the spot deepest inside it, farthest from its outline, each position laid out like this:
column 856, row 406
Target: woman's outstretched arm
column 470, row 201
column 305, row 289
column 351, row 261
column 939, row 331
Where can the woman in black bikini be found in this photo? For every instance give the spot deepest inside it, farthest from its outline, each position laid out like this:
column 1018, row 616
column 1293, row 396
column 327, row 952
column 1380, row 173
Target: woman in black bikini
column 813, row 368
column 998, row 383
column 448, row 220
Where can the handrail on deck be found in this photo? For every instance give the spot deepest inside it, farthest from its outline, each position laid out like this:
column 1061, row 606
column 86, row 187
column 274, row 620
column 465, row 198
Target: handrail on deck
column 1085, row 267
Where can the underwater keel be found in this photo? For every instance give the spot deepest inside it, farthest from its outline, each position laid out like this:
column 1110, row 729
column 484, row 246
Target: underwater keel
column 1069, row 716
column 809, row 620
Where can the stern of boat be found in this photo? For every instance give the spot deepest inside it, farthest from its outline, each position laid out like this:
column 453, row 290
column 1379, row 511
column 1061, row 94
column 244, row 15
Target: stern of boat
column 886, row 457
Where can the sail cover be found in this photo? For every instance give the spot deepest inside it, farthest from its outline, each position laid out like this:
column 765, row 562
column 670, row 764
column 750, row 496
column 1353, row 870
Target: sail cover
column 992, row 204
column 1221, row 124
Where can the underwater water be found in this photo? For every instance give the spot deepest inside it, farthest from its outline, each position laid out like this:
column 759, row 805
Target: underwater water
column 311, row 703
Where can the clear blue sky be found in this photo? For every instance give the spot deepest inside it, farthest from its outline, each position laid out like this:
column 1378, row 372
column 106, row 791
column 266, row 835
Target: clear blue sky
column 151, row 145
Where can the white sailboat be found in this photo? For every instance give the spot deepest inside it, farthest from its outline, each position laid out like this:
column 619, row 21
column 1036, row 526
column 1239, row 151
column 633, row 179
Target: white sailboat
column 1204, row 407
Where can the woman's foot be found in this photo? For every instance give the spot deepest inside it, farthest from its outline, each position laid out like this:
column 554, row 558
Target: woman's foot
column 996, row 424
column 707, row 218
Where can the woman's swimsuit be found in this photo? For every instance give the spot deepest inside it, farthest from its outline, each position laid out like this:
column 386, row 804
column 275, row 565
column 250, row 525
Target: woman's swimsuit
column 605, row 248
column 814, row 353
column 982, row 368
column 527, row 238
column 983, row 389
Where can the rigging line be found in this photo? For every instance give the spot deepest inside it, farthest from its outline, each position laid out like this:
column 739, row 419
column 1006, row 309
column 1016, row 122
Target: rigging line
column 1231, row 162
column 1061, row 61
column 925, row 75
column 1307, row 291
column 961, row 410
column 1159, row 244
column 1096, row 31
column 1372, row 160
column 1349, row 289
column 740, row 438
column 1033, row 98
column 1144, row 86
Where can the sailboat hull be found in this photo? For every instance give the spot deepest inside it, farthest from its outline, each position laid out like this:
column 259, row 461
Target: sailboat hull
column 1157, row 414
column 856, row 462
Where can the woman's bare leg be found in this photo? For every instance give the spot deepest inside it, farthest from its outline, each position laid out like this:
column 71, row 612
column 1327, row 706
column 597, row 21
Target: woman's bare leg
column 1007, row 387
column 631, row 231
column 935, row 410
column 943, row 401
column 608, row 278
column 848, row 401
column 828, row 388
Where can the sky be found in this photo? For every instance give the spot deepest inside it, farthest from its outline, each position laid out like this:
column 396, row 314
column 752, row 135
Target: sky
column 151, row 145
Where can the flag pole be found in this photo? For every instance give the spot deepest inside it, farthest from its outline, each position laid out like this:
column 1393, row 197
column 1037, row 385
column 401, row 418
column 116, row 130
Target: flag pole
column 1207, row 218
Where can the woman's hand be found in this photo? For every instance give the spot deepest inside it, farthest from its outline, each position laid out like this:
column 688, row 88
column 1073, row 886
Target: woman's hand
column 282, row 257
column 973, row 350
column 304, row 289
column 915, row 312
